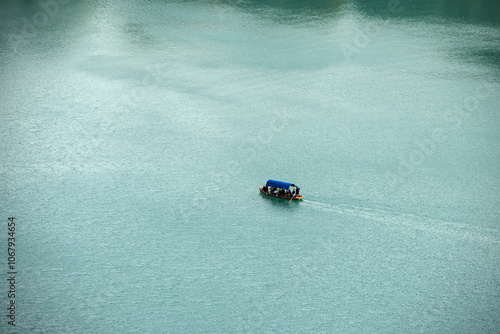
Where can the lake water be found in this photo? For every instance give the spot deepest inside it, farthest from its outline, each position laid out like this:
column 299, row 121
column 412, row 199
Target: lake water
column 134, row 138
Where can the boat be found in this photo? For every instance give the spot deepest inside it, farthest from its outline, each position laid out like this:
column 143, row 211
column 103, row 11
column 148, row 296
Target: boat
column 282, row 190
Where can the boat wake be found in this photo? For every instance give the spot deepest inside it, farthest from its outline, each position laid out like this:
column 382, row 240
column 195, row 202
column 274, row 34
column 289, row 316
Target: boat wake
column 399, row 220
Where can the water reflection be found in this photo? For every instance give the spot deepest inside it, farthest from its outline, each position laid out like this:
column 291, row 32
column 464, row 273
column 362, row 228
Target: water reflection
column 485, row 56
column 292, row 6
column 27, row 24
column 473, row 11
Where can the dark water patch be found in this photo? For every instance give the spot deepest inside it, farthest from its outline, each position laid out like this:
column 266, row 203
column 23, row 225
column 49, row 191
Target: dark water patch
column 486, row 56
column 290, row 12
column 293, row 6
column 472, row 11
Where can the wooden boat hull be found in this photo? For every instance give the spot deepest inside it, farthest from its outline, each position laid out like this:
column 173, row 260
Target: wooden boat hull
column 295, row 198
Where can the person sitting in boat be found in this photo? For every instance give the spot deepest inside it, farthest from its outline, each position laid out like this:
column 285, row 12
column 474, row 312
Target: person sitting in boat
column 298, row 189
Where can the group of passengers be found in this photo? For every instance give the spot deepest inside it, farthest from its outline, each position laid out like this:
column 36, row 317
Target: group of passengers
column 280, row 192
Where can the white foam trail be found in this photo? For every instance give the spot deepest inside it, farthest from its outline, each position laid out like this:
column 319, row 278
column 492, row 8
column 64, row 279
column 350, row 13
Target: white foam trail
column 396, row 219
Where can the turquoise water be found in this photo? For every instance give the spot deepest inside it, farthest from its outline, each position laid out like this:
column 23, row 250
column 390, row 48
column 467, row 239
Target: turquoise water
column 134, row 138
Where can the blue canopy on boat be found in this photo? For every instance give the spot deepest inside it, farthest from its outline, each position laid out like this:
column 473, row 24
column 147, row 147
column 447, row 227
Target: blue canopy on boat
column 279, row 184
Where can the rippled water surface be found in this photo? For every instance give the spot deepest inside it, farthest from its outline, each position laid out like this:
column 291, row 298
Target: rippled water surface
column 134, row 138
